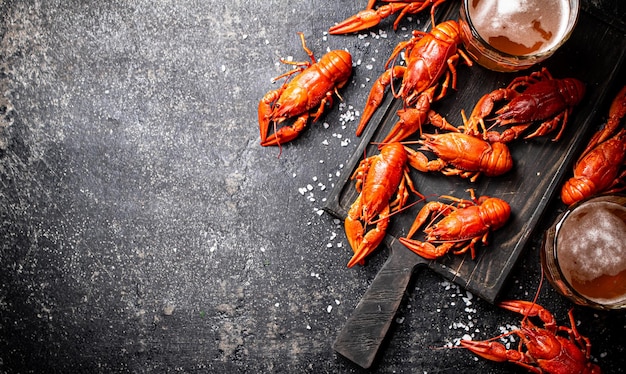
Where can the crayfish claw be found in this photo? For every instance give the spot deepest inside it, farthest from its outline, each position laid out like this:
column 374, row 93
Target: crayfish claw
column 492, row 351
column 424, row 249
column 362, row 20
column 530, row 309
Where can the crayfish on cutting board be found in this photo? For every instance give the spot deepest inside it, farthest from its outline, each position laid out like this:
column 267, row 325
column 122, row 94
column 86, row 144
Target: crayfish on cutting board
column 464, row 155
column 378, row 178
column 370, row 17
column 461, row 227
column 549, row 349
column 537, row 97
column 600, row 167
column 312, row 87
column 429, row 56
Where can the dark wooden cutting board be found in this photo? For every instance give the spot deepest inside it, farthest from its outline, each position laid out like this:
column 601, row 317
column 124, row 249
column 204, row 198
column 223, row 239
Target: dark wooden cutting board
column 594, row 54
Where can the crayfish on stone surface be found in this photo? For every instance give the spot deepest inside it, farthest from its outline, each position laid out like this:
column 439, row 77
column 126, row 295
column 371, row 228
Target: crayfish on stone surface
column 429, row 56
column 600, row 167
column 549, row 349
column 537, row 97
column 370, row 17
column 461, row 227
column 308, row 92
column 378, row 178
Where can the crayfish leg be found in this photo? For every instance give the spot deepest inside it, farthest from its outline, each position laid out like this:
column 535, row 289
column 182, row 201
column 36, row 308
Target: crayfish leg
column 549, row 126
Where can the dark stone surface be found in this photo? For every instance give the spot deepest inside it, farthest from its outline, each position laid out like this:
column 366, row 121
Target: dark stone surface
column 143, row 228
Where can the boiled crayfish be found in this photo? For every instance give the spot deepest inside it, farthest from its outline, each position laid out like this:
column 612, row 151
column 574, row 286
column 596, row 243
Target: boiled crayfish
column 378, row 178
column 461, row 227
column 541, row 350
column 429, row 56
column 464, row 155
column 600, row 166
column 370, row 17
column 308, row 92
column 537, row 97
column 412, row 119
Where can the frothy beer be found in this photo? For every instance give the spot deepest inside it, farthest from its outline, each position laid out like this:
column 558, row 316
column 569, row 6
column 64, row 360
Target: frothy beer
column 591, row 251
column 511, row 35
column 521, row 27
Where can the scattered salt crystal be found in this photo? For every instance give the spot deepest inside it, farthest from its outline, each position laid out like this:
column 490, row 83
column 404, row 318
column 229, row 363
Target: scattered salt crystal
column 337, row 302
column 329, row 245
column 309, row 187
column 277, row 305
column 325, row 142
column 329, row 308
column 308, row 327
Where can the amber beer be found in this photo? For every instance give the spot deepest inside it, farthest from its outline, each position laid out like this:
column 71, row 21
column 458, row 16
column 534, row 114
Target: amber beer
column 510, row 35
column 584, row 253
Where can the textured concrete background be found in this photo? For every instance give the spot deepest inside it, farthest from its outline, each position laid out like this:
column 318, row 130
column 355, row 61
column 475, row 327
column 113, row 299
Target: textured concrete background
column 143, row 228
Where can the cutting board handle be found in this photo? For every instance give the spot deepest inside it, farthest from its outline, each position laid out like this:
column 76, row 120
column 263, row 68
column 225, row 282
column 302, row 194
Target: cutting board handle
column 366, row 328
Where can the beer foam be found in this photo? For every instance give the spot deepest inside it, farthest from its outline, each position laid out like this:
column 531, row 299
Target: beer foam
column 514, row 19
column 511, row 7
column 592, row 243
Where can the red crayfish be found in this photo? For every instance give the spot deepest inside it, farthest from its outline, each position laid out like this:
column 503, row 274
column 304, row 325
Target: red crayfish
column 378, row 178
column 429, row 56
column 312, row 88
column 370, row 17
column 541, row 350
column 537, row 97
column 598, row 168
column 464, row 155
column 461, row 227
